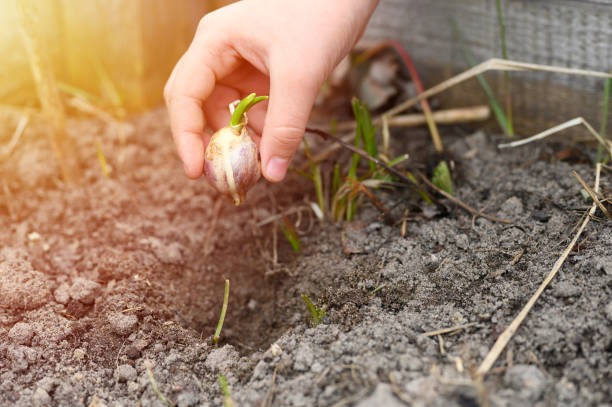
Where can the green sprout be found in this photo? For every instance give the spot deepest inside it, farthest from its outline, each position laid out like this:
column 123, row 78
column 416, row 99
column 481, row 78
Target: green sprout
column 315, row 176
column 442, row 178
column 502, row 34
column 223, row 311
column 316, row 314
column 604, row 118
column 237, row 121
column 364, row 123
column 227, row 395
column 102, row 158
column 500, row 116
column 289, row 232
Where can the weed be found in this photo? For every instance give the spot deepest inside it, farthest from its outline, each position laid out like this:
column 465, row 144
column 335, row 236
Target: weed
column 501, row 117
column 289, row 232
column 227, row 395
column 502, row 34
column 442, row 178
column 102, row 159
column 315, row 176
column 223, row 311
column 316, row 314
column 604, row 119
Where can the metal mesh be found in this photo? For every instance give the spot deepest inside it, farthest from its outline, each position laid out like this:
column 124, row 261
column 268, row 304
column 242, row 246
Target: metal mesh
column 574, row 34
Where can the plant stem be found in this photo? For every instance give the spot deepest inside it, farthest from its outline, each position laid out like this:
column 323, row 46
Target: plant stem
column 223, row 311
column 237, row 121
column 604, row 117
column 502, row 33
column 227, row 395
column 317, row 180
column 407, row 180
column 497, row 110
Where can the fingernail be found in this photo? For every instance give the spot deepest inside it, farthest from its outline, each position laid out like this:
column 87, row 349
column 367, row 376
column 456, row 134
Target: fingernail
column 276, row 168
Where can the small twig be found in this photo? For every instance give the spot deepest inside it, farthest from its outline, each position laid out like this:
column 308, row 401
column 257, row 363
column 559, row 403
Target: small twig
column 448, row 330
column 274, row 218
column 592, row 194
column 398, row 391
column 362, row 153
column 21, row 125
column 450, row 116
column 459, row 202
column 270, row 395
column 163, row 398
column 119, row 354
column 441, row 344
column 518, row 256
column 505, row 337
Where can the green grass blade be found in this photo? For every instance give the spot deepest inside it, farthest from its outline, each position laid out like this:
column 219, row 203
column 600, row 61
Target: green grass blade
column 352, row 172
column 366, row 128
column 604, row 118
column 336, row 178
column 289, row 232
column 502, row 34
column 442, row 178
column 316, row 177
column 102, row 159
column 398, row 160
column 316, row 314
column 223, row 311
column 422, row 193
column 227, row 394
column 500, row 116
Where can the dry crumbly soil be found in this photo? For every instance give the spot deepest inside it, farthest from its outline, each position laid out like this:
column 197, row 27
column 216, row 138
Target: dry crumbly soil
column 98, row 279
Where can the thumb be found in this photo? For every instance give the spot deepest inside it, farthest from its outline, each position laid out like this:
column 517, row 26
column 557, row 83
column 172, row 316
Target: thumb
column 292, row 95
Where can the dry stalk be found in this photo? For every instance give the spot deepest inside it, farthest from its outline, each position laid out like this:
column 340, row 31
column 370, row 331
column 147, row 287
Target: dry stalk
column 505, row 337
column 448, row 330
column 493, row 64
column 21, row 125
column 46, row 86
column 570, row 123
column 592, row 194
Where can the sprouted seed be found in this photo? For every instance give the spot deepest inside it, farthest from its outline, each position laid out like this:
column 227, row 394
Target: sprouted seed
column 223, row 311
column 231, row 159
column 316, row 314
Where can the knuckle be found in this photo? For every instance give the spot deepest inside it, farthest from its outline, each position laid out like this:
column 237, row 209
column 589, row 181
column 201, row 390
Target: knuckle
column 286, row 137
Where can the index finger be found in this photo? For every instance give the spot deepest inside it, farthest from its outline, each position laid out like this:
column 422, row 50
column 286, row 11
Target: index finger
column 191, row 82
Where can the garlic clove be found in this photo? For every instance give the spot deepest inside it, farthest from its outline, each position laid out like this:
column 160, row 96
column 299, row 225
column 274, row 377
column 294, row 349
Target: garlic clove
column 231, row 163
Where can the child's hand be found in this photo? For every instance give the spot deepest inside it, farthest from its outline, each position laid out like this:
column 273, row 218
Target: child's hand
column 283, row 48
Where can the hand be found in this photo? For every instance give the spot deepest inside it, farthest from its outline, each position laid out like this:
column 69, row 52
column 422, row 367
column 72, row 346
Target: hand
column 281, row 48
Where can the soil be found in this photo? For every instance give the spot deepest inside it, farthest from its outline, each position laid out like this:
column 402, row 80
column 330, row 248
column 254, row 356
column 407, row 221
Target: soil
column 101, row 279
